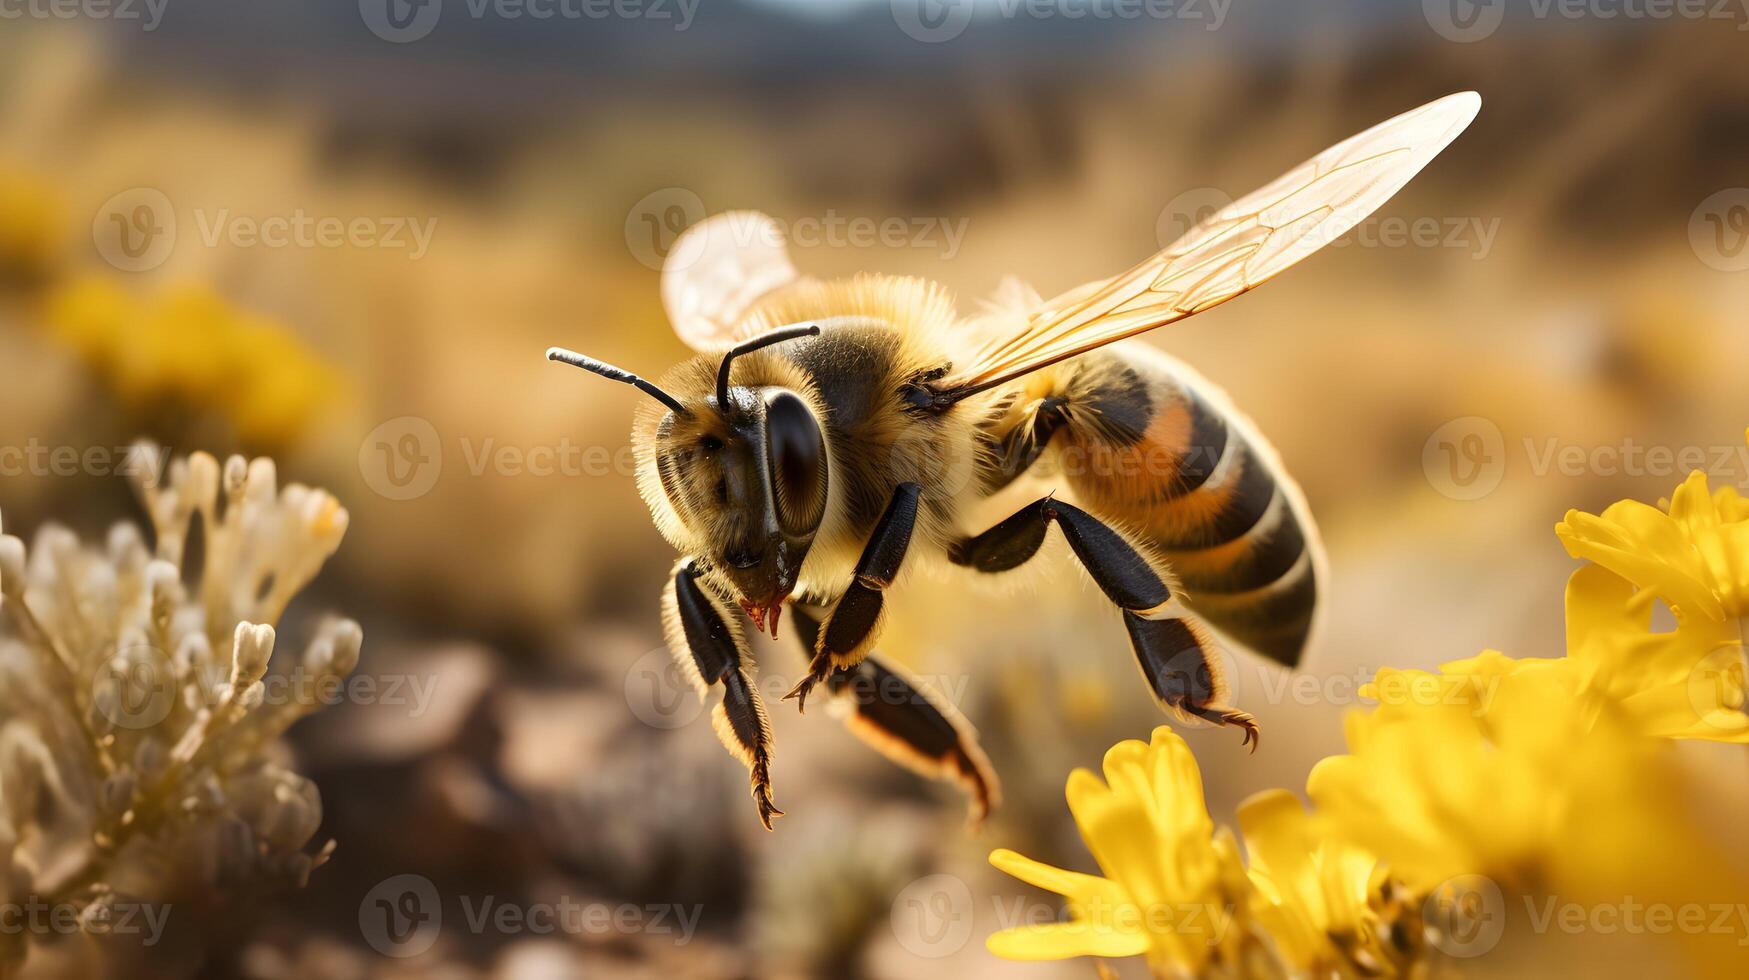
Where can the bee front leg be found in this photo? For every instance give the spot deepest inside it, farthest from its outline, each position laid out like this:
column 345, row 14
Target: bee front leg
column 900, row 719
column 707, row 643
column 854, row 624
column 1176, row 653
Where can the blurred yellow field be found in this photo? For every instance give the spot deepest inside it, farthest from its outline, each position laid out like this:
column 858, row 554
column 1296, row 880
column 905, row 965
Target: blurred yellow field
column 331, row 631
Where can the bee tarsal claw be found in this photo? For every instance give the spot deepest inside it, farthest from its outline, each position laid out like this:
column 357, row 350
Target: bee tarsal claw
column 799, row 693
column 1243, row 720
column 762, row 797
column 767, row 809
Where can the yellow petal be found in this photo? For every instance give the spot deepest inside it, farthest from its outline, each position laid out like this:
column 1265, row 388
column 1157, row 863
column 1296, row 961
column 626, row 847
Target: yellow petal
column 1273, row 823
column 1073, row 885
column 1062, row 940
column 1645, row 546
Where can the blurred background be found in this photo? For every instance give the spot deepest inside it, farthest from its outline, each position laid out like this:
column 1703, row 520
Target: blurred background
column 342, row 235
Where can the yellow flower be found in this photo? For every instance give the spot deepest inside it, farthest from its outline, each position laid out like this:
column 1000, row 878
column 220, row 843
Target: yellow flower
column 1685, row 683
column 1695, row 555
column 188, row 349
column 32, row 229
column 1173, row 888
column 1323, row 900
column 1514, row 769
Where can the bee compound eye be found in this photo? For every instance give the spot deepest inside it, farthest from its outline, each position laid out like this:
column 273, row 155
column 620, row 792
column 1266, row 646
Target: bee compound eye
column 796, row 453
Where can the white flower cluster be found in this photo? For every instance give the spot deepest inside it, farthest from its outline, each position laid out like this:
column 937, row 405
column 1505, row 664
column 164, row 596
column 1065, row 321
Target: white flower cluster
column 136, row 744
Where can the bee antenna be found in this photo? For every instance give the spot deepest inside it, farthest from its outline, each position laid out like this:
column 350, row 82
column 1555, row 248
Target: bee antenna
column 612, row 373
column 777, row 336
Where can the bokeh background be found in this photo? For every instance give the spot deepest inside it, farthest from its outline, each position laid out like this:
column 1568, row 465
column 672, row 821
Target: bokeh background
column 342, row 235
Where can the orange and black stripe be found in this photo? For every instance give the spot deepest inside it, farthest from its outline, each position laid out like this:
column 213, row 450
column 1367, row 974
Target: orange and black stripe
column 1178, row 472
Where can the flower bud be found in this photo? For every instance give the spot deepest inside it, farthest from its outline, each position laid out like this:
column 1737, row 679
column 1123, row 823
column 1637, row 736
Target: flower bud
column 252, row 650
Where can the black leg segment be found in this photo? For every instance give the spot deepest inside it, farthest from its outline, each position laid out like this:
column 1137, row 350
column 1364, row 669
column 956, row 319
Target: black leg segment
column 1177, row 656
column 1126, row 576
column 902, row 721
column 1179, row 660
column 854, row 623
column 711, row 651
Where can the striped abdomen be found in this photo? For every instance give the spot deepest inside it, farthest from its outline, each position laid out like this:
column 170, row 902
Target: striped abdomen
column 1152, row 446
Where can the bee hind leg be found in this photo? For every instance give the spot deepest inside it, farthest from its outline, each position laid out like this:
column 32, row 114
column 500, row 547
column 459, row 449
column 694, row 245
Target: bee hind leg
column 1177, row 654
column 901, row 719
column 855, row 622
column 711, row 650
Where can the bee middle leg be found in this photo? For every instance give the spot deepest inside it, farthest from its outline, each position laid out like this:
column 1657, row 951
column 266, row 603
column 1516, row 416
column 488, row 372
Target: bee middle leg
column 901, row 720
column 854, row 624
column 711, row 650
column 1177, row 654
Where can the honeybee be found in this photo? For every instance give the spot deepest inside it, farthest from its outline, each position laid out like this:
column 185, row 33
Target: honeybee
column 831, row 434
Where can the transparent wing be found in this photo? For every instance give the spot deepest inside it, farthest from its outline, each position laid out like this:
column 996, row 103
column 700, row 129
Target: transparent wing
column 719, row 269
column 1233, row 251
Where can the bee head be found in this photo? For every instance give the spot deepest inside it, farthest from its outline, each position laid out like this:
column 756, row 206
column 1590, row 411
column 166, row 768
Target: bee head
column 736, row 476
